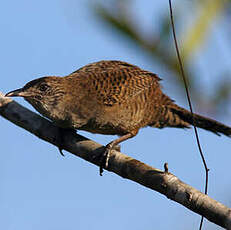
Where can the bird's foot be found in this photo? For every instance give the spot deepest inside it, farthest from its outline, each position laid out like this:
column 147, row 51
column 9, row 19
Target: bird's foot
column 104, row 159
column 60, row 138
column 61, row 151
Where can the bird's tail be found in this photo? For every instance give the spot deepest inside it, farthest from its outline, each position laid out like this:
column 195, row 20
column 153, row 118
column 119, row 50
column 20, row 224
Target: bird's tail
column 200, row 121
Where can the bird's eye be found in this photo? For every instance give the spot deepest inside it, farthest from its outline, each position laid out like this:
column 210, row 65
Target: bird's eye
column 43, row 87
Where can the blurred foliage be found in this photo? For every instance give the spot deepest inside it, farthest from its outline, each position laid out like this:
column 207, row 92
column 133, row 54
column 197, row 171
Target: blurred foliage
column 118, row 15
column 196, row 35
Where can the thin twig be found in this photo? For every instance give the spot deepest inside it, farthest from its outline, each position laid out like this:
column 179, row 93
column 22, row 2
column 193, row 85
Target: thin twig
column 190, row 105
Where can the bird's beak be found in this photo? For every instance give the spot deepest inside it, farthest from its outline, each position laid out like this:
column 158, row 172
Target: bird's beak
column 16, row 93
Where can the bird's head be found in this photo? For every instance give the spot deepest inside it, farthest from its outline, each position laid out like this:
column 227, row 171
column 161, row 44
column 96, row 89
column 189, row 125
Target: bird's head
column 43, row 93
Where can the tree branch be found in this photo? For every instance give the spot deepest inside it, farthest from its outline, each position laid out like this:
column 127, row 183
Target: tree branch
column 124, row 166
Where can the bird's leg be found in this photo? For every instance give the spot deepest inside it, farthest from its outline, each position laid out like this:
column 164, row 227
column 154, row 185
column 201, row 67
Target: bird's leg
column 112, row 145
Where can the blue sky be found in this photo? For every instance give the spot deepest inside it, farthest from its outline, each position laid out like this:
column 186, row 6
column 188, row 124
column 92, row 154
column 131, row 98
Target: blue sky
column 39, row 189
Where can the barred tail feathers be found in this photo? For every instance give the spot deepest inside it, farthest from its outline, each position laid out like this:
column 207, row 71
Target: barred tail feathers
column 201, row 121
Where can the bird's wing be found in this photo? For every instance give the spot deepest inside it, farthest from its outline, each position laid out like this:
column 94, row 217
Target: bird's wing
column 114, row 82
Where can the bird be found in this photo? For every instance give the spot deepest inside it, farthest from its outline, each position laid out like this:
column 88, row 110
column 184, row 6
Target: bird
column 110, row 97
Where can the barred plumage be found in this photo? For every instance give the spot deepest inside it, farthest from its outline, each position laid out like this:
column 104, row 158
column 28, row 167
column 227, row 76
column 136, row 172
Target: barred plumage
column 110, row 97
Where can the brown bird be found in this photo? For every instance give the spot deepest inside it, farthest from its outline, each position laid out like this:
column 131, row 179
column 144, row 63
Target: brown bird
column 110, row 97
